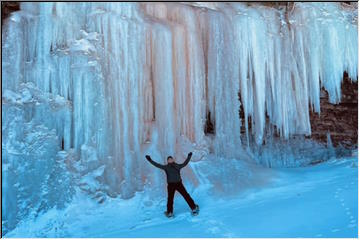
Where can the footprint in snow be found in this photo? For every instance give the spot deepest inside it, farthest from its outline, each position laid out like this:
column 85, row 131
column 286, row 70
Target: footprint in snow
column 352, row 225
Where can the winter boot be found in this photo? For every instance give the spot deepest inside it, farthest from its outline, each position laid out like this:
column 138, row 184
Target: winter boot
column 195, row 211
column 169, row 214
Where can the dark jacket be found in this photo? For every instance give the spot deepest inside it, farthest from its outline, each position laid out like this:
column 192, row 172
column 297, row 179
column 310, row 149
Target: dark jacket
column 172, row 170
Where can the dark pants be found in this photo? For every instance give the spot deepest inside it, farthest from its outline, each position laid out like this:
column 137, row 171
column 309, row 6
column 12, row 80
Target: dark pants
column 181, row 189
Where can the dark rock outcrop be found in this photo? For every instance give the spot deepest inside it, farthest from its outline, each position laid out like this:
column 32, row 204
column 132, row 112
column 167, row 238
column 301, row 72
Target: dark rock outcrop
column 340, row 120
column 7, row 8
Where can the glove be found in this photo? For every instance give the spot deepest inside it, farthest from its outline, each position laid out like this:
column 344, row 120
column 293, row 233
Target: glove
column 190, row 154
column 148, row 157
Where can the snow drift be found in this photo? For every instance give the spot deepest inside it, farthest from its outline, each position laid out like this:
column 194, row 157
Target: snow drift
column 89, row 88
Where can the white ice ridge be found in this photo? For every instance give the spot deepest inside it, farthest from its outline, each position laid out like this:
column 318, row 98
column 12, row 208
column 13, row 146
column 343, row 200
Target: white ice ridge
column 152, row 72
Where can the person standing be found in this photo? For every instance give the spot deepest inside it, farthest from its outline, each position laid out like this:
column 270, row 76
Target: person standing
column 174, row 181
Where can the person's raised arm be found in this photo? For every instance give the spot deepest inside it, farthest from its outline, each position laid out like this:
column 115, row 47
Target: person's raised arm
column 187, row 160
column 158, row 165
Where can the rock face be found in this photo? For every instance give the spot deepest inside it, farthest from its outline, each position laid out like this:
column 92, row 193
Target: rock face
column 340, row 120
column 7, row 8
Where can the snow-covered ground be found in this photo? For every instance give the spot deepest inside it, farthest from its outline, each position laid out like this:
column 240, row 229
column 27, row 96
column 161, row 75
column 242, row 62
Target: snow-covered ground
column 314, row 201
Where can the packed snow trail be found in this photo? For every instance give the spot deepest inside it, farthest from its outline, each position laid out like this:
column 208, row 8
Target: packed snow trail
column 314, row 201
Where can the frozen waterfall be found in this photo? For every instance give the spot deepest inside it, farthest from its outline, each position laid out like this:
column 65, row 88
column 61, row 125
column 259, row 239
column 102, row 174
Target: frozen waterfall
column 92, row 87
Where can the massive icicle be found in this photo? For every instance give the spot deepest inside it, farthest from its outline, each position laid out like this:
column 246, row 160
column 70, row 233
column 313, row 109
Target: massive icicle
column 108, row 82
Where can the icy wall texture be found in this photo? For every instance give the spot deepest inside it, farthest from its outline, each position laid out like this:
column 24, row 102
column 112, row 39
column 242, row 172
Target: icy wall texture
column 92, row 87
